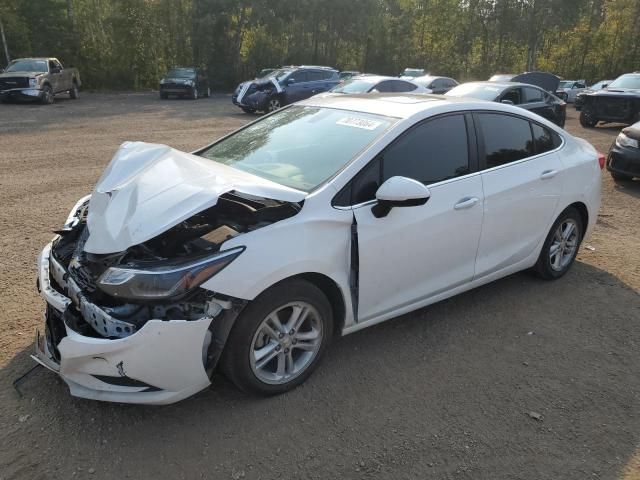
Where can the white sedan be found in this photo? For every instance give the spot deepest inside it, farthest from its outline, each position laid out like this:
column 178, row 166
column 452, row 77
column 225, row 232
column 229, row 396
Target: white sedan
column 378, row 84
column 327, row 216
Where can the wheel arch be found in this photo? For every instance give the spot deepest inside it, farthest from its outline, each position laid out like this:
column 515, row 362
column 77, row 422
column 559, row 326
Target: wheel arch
column 583, row 211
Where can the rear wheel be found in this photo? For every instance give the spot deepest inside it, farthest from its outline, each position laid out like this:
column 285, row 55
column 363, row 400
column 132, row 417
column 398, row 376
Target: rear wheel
column 561, row 245
column 74, row 93
column 587, row 119
column 279, row 338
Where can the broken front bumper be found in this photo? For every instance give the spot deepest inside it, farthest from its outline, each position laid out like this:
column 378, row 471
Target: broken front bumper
column 22, row 94
column 161, row 363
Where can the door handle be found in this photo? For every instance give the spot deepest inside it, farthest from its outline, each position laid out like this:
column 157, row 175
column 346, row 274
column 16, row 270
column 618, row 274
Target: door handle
column 548, row 174
column 466, row 202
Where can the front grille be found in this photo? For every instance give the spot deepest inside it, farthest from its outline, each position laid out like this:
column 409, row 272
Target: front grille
column 613, row 107
column 13, row 82
column 174, row 86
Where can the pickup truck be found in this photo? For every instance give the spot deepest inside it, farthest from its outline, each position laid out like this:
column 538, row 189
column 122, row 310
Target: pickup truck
column 38, row 79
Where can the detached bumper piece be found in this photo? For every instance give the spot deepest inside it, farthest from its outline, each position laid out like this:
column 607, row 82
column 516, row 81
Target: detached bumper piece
column 160, row 363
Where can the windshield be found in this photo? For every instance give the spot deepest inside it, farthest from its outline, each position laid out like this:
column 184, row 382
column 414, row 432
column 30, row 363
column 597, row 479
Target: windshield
column 28, row 66
column 626, row 81
column 501, row 77
column 299, row 147
column 565, row 84
column 482, row 91
column 354, row 86
column 600, row 85
column 280, row 73
column 181, row 73
column 412, row 72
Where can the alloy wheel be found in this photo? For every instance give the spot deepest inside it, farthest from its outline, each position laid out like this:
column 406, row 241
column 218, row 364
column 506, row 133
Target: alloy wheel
column 286, row 343
column 274, row 104
column 564, row 245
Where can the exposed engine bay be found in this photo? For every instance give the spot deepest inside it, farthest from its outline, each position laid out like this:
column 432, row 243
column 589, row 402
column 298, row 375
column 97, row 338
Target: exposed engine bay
column 103, row 308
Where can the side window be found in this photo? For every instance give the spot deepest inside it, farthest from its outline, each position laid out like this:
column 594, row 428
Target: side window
column 506, row 138
column 451, row 82
column 300, row 76
column 430, row 152
column 52, row 64
column 327, row 75
column 438, row 83
column 513, row 95
column 386, row 86
column 315, row 75
column 544, row 139
column 400, row 86
column 532, row 95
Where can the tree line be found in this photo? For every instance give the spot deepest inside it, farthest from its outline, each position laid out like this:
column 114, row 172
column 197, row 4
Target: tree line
column 129, row 44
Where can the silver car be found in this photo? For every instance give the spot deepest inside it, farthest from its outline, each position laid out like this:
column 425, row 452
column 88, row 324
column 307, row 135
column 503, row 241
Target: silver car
column 568, row 90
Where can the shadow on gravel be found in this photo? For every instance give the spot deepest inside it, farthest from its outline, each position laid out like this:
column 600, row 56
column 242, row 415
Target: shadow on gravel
column 628, row 187
column 66, row 112
column 518, row 379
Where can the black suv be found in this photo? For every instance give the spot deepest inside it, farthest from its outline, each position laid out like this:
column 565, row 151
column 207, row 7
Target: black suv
column 189, row 82
column 619, row 102
column 284, row 86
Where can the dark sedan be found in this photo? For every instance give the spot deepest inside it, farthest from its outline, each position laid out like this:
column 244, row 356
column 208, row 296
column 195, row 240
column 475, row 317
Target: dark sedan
column 623, row 161
column 523, row 95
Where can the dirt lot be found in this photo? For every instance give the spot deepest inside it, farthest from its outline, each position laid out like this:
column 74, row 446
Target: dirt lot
column 444, row 392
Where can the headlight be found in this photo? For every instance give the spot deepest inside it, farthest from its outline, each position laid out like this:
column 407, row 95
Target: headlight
column 163, row 81
column 624, row 141
column 166, row 281
column 33, row 82
column 191, row 83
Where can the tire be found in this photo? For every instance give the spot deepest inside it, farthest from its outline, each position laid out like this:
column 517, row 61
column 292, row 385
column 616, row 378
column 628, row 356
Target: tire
column 549, row 266
column 47, row 97
column 619, row 177
column 74, row 93
column 194, row 93
column 290, row 358
column 273, row 104
column 248, row 110
column 208, row 92
column 587, row 120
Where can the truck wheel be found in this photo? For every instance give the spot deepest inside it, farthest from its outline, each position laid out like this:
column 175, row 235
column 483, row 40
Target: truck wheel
column 74, row 93
column 587, row 120
column 47, row 95
column 194, row 93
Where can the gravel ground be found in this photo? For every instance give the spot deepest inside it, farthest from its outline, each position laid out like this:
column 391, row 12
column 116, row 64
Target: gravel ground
column 520, row 379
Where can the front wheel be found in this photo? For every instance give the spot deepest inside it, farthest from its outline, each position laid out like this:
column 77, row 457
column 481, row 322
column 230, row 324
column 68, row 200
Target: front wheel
column 273, row 105
column 587, row 119
column 619, row 177
column 279, row 338
column 561, row 245
column 194, row 93
column 47, row 95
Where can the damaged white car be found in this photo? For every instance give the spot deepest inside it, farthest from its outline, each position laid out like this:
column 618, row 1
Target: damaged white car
column 322, row 218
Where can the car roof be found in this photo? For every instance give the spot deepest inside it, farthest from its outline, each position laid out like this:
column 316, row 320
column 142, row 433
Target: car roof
column 34, row 58
column 503, row 84
column 400, row 105
column 377, row 78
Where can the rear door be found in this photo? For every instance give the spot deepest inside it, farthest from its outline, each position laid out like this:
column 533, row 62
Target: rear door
column 54, row 78
column 535, row 100
column 522, row 182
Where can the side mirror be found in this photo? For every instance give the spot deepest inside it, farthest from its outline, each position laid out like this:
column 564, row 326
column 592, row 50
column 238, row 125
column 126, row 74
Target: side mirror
column 605, row 85
column 291, row 81
column 507, row 102
column 399, row 192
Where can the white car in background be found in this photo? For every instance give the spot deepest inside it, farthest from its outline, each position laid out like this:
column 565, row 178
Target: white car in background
column 378, row 84
column 325, row 217
column 568, row 90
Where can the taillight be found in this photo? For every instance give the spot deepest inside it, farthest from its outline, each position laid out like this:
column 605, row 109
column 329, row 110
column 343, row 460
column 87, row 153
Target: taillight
column 601, row 160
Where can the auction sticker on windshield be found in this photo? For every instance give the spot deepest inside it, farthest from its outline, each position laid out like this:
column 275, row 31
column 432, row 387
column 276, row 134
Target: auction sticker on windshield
column 359, row 123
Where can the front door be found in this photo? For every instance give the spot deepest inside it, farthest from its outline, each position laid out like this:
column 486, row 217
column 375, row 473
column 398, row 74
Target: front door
column 417, row 252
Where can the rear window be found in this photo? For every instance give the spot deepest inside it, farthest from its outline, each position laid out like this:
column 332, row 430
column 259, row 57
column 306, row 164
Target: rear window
column 482, row 91
column 506, row 138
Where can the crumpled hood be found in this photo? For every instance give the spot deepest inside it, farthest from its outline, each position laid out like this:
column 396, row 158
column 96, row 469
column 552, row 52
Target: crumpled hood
column 148, row 188
column 20, row 74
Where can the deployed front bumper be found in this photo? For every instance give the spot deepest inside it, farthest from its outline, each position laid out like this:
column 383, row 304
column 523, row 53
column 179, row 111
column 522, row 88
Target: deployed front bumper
column 161, row 363
column 624, row 160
